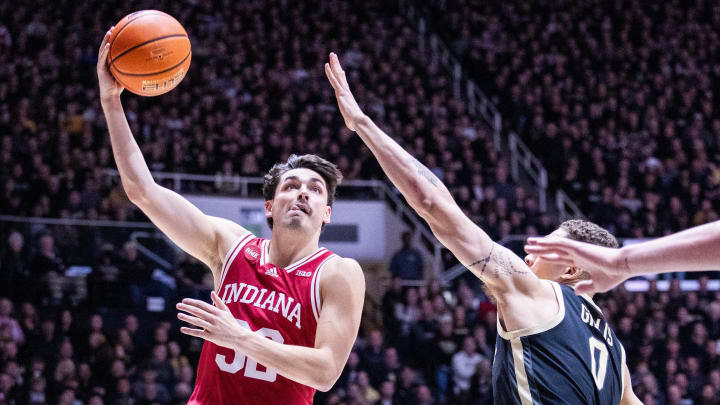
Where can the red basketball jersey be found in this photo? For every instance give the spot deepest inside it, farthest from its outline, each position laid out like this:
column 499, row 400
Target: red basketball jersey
column 282, row 304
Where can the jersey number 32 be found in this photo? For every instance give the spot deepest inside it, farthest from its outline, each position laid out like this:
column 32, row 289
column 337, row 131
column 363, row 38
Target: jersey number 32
column 239, row 362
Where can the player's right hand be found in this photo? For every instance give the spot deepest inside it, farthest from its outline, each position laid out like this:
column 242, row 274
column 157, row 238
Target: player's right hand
column 605, row 265
column 109, row 87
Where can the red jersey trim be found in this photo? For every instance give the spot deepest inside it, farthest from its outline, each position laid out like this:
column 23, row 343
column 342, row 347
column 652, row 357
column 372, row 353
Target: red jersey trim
column 232, row 253
column 306, row 259
column 265, row 256
column 315, row 287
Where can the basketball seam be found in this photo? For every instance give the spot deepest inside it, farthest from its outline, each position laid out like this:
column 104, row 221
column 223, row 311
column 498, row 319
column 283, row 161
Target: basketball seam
column 145, row 43
column 154, row 73
column 155, row 12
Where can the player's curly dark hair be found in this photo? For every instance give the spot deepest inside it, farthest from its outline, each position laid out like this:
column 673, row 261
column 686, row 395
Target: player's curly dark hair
column 327, row 170
column 586, row 231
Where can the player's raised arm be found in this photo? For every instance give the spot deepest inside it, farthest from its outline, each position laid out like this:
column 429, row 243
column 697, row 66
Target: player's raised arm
column 497, row 266
column 204, row 237
column 695, row 249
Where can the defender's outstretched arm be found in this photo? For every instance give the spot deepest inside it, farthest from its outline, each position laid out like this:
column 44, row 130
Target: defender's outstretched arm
column 500, row 269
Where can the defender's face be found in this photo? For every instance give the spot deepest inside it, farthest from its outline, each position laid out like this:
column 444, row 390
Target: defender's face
column 300, row 201
column 543, row 269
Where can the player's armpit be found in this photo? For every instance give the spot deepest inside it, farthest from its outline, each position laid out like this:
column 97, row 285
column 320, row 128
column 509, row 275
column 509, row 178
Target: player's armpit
column 342, row 290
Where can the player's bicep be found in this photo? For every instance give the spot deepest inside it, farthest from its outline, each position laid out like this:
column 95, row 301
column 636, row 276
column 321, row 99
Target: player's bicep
column 198, row 234
column 342, row 288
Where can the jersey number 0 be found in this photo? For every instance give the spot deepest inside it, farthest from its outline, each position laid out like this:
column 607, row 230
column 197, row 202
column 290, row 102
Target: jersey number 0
column 599, row 366
column 239, row 362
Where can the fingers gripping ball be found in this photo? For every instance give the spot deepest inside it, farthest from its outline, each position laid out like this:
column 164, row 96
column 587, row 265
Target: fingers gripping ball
column 149, row 52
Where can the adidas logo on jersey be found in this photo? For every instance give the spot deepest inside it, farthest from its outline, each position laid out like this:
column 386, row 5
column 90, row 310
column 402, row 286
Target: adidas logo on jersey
column 303, row 273
column 272, row 271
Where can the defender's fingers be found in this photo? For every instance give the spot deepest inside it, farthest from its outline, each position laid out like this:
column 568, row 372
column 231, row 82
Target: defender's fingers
column 335, row 64
column 557, row 259
column 584, row 287
column 331, row 77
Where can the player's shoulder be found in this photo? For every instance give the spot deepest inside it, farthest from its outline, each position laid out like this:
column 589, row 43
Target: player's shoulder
column 343, row 268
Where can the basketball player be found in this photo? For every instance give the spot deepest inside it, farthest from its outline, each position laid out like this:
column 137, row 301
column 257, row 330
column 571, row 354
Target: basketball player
column 554, row 347
column 695, row 249
column 286, row 311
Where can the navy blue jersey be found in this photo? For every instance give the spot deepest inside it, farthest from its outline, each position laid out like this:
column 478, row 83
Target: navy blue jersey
column 575, row 358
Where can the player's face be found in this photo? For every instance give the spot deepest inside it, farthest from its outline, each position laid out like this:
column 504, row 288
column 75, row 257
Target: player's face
column 300, row 201
column 544, row 269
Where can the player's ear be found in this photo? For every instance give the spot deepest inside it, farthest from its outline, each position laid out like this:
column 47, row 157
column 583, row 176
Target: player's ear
column 268, row 208
column 327, row 214
column 573, row 274
column 570, row 273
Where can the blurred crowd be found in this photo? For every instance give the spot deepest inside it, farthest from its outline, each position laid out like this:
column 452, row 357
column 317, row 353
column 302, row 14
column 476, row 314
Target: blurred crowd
column 255, row 93
column 104, row 338
column 615, row 97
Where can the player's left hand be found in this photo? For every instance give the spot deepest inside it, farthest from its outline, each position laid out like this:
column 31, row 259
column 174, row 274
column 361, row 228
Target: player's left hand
column 217, row 323
column 349, row 108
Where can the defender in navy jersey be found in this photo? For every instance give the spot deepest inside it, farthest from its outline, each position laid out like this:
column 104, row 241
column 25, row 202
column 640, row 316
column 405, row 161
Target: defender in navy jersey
column 555, row 348
column 575, row 358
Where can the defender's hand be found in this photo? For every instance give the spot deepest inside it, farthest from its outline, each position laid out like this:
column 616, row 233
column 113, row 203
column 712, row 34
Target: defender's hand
column 109, row 87
column 216, row 322
column 349, row 108
column 605, row 265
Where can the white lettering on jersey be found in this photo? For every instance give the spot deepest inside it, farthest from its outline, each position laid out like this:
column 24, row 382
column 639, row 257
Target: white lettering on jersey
column 595, row 323
column 250, row 289
column 276, row 301
column 303, row 273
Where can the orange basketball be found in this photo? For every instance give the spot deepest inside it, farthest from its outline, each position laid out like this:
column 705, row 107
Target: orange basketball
column 149, row 52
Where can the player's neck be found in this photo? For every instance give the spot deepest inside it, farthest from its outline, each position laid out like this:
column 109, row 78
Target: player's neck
column 287, row 247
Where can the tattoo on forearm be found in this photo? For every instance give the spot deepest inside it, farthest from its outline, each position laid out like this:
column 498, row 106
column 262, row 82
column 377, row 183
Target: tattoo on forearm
column 424, row 171
column 503, row 264
column 484, row 260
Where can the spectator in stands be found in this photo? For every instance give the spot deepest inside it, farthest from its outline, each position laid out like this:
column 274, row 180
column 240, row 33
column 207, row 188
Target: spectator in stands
column 49, row 268
column 407, row 263
column 464, row 366
column 387, row 394
column 14, row 261
column 8, row 323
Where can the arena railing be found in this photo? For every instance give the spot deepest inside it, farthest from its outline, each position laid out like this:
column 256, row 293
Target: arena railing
column 250, row 187
column 479, row 104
